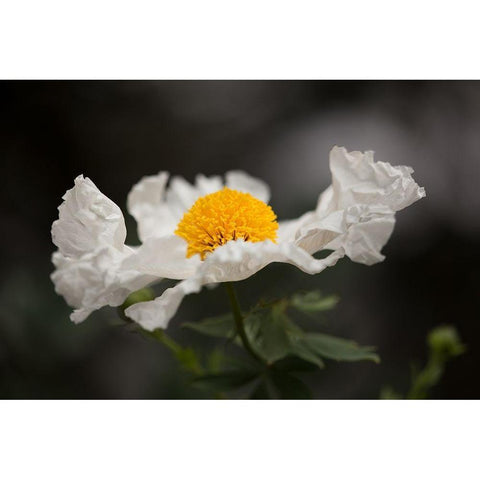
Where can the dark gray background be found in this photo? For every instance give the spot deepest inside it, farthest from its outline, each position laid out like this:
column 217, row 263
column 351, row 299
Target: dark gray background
column 116, row 132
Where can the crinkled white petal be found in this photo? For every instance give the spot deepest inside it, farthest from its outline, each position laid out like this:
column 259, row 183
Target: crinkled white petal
column 181, row 195
column 146, row 203
column 206, row 185
column 367, row 231
column 157, row 313
column 241, row 181
column 90, row 235
column 357, row 212
column 234, row 261
column 357, row 179
column 164, row 257
column 96, row 279
column 288, row 229
column 87, row 220
column 360, row 231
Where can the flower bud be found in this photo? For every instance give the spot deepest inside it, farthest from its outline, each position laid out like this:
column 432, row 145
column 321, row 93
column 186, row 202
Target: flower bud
column 446, row 341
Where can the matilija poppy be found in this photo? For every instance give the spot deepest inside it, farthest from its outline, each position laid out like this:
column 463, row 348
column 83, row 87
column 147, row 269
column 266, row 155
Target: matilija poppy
column 216, row 231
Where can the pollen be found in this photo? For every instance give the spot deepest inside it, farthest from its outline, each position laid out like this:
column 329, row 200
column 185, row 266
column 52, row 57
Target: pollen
column 219, row 217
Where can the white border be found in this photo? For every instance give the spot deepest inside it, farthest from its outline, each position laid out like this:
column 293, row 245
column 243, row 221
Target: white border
column 239, row 439
column 207, row 39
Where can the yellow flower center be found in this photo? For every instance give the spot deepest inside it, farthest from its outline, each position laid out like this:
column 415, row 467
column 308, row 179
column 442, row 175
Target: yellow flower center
column 226, row 215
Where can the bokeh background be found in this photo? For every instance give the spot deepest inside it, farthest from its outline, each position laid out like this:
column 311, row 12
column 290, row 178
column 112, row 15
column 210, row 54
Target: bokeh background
column 115, row 132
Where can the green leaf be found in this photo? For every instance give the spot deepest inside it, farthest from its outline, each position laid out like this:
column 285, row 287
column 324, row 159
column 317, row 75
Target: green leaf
column 274, row 341
column 215, row 361
column 290, row 387
column 263, row 391
column 339, row 349
column 222, row 326
column 278, row 384
column 275, row 336
column 227, row 380
column 302, row 351
column 312, row 302
column 295, row 364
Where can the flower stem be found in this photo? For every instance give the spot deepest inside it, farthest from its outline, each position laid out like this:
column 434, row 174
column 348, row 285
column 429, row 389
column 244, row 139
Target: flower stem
column 237, row 315
column 186, row 356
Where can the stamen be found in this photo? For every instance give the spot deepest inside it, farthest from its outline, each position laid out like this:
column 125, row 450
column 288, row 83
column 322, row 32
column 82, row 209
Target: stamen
column 226, row 215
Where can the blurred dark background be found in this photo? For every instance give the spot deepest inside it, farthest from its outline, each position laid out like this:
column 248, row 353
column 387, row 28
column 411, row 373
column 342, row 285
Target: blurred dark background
column 115, row 132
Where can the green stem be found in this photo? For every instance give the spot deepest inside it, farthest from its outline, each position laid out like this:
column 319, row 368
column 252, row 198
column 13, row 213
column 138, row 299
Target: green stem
column 185, row 356
column 428, row 377
column 169, row 342
column 237, row 315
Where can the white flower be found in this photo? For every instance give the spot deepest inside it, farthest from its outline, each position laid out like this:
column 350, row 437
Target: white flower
column 215, row 232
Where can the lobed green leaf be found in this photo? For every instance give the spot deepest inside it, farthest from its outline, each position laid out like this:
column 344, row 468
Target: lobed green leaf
column 222, row 326
column 339, row 349
column 312, row 302
column 227, row 380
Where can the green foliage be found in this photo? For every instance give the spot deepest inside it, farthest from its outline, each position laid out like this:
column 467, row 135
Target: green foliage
column 289, row 386
column 216, row 361
column 225, row 381
column 282, row 385
column 313, row 302
column 279, row 350
column 282, row 346
column 275, row 336
column 222, row 326
column 339, row 349
column 186, row 356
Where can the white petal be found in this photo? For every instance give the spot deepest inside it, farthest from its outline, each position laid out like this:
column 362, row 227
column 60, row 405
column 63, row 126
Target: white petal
column 206, row 185
column 356, row 213
column 157, row 313
column 164, row 257
column 288, row 229
column 234, row 261
column 314, row 234
column 358, row 179
column 181, row 195
column 359, row 231
column 241, row 181
column 149, row 191
column 80, row 314
column 95, row 280
column 146, row 203
column 368, row 230
column 87, row 220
